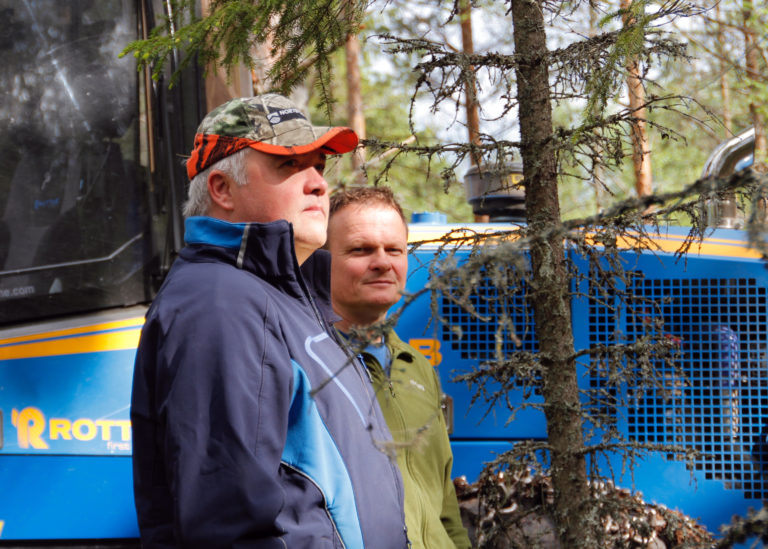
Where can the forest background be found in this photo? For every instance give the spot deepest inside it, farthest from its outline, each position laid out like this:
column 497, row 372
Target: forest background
column 716, row 96
column 717, row 89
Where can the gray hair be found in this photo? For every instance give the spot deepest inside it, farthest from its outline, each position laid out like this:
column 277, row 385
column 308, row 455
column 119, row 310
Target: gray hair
column 198, row 200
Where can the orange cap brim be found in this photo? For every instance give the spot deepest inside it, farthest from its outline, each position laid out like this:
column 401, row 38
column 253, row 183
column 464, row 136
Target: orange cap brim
column 210, row 148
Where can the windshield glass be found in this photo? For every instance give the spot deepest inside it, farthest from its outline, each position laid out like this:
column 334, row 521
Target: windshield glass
column 71, row 215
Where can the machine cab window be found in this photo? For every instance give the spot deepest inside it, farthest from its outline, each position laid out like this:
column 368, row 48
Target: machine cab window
column 72, row 211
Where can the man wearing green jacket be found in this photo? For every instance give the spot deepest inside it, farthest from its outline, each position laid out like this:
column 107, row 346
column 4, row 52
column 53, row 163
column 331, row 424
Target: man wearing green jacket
column 367, row 240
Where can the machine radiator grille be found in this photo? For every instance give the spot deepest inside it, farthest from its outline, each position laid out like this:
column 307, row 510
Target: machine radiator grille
column 480, row 335
column 714, row 400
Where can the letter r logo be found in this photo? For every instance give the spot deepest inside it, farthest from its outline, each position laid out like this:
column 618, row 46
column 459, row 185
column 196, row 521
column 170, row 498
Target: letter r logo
column 30, row 424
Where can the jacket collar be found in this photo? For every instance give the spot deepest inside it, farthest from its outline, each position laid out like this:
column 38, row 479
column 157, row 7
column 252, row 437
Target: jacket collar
column 398, row 347
column 263, row 249
column 316, row 271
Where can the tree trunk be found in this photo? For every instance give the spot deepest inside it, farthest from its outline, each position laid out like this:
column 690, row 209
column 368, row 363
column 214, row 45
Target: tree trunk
column 468, row 47
column 641, row 152
column 752, row 52
column 473, row 116
column 597, row 167
column 725, row 90
column 262, row 53
column 220, row 85
column 355, row 116
column 549, row 286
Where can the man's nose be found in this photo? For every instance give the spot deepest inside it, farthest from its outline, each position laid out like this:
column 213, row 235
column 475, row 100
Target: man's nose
column 315, row 183
column 381, row 261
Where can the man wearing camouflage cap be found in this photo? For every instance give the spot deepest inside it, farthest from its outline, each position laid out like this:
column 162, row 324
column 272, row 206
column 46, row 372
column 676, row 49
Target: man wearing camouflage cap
column 251, row 427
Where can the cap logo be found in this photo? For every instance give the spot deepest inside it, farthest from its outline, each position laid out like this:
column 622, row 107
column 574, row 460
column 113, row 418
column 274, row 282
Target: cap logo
column 276, row 116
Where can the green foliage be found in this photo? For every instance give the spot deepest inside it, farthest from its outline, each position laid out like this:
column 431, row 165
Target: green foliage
column 679, row 157
column 635, row 41
column 302, row 36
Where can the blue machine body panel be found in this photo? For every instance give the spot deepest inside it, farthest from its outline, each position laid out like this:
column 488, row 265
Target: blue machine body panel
column 714, row 303
column 65, row 466
column 66, row 497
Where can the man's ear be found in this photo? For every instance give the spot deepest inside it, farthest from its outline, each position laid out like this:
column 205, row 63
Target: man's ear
column 220, row 190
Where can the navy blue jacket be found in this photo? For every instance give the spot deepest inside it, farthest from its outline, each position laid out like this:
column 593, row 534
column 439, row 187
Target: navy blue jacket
column 251, row 427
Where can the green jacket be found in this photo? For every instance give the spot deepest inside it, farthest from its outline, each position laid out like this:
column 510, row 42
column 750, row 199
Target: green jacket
column 410, row 400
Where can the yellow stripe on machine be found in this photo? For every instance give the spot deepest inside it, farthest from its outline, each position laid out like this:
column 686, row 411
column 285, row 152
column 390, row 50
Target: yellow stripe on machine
column 454, row 235
column 718, row 247
column 108, row 336
column 669, row 243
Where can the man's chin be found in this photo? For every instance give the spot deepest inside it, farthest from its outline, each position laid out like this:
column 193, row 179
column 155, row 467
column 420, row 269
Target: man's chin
column 382, row 303
column 309, row 241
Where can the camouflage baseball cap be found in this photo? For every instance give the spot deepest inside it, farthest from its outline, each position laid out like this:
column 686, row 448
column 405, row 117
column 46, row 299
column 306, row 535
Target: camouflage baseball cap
column 268, row 123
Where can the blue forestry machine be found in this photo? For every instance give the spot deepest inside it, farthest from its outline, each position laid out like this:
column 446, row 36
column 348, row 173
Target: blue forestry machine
column 90, row 188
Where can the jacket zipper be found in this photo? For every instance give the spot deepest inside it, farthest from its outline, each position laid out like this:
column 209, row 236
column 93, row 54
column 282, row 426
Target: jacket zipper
column 324, row 325
column 325, row 502
column 400, row 487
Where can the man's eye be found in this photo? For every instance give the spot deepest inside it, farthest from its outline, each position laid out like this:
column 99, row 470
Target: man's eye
column 291, row 163
column 320, row 168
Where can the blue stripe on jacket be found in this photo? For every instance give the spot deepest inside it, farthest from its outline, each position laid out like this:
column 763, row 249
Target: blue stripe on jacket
column 311, row 450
